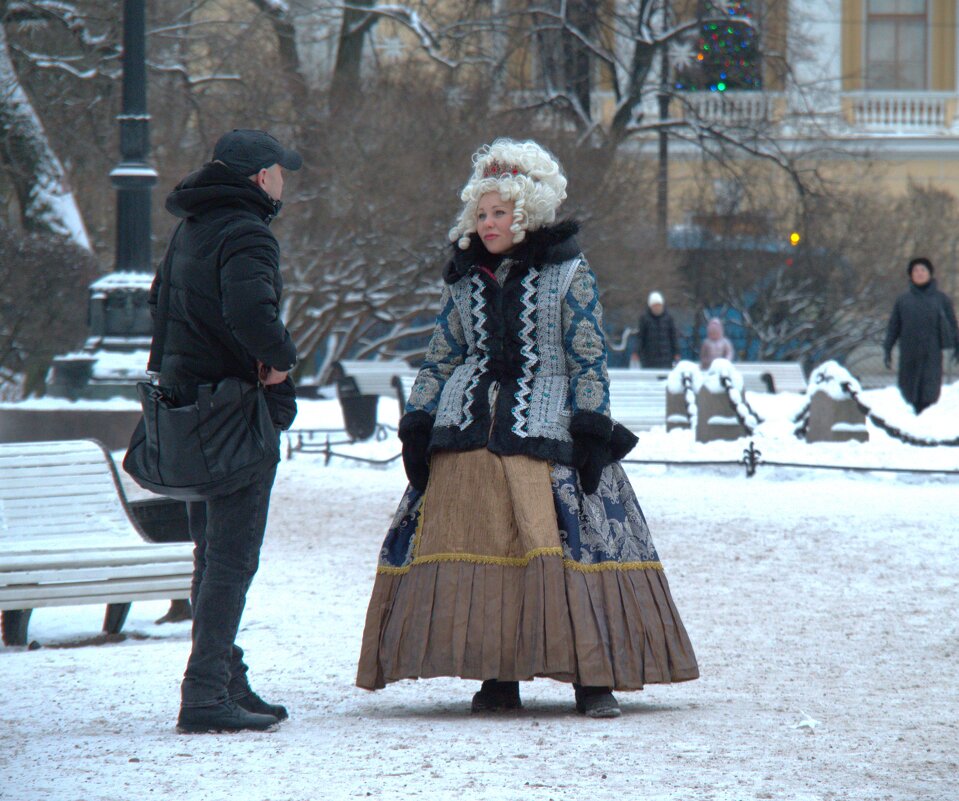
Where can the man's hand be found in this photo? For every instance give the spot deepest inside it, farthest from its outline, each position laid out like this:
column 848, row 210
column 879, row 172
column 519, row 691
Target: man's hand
column 887, row 360
column 955, row 355
column 268, row 376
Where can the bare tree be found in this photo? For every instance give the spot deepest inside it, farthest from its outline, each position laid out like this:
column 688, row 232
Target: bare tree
column 30, row 163
column 386, row 142
column 832, row 292
column 43, row 291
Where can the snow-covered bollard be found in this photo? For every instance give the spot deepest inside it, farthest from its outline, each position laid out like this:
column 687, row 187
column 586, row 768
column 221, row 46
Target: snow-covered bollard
column 70, row 374
column 716, row 417
column 682, row 384
column 833, row 413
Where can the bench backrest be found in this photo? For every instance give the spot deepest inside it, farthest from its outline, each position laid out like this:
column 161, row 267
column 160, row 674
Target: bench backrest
column 786, row 376
column 56, row 493
column 637, row 398
column 372, row 377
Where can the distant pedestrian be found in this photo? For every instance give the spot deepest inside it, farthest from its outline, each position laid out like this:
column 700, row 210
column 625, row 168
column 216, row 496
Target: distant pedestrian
column 658, row 345
column 923, row 322
column 715, row 345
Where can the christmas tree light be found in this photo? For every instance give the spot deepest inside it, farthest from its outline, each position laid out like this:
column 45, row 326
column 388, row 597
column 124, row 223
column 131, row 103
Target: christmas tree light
column 727, row 56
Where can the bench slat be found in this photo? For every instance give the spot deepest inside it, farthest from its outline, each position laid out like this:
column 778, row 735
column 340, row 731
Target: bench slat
column 77, row 589
column 69, row 484
column 87, row 574
column 52, row 506
column 160, row 594
column 96, row 592
column 60, row 526
column 99, row 556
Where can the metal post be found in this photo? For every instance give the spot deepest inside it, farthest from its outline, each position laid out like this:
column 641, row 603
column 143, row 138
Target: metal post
column 133, row 177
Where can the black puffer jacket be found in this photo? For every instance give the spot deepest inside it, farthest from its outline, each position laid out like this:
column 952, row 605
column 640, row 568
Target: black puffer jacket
column 225, row 282
column 658, row 342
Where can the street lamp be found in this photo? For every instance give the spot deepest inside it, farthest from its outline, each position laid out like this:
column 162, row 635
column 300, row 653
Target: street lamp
column 133, row 177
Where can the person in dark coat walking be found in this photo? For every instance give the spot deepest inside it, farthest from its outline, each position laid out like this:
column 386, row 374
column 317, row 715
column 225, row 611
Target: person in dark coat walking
column 223, row 321
column 923, row 322
column 658, row 345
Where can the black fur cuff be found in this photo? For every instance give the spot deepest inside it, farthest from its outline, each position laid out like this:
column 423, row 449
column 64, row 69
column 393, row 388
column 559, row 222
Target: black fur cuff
column 591, row 424
column 414, row 425
column 621, row 442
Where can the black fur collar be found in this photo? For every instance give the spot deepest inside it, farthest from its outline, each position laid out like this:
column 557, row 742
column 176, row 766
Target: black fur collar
column 551, row 244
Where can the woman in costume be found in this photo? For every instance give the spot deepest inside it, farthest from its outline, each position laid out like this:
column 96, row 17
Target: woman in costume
column 519, row 549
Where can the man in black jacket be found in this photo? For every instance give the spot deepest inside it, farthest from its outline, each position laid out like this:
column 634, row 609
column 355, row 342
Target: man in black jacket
column 658, row 344
column 223, row 321
column 923, row 321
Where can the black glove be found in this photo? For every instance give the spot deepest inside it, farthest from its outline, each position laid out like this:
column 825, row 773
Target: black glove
column 591, row 434
column 414, row 433
column 887, row 360
column 591, row 455
column 955, row 355
column 281, row 401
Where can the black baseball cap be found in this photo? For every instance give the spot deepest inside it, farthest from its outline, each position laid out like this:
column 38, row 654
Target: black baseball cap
column 248, row 151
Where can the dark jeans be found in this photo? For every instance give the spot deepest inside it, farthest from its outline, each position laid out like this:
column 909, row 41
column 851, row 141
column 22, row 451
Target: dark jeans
column 228, row 534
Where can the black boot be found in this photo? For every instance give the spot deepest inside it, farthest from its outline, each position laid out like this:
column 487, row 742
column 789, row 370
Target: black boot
column 253, row 703
column 596, row 702
column 495, row 695
column 227, row 716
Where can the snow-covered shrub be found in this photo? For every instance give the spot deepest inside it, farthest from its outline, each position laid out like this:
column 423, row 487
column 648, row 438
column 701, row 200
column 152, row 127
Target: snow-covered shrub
column 43, row 303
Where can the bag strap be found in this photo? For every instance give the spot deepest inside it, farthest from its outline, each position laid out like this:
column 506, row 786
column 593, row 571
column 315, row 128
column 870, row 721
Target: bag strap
column 163, row 307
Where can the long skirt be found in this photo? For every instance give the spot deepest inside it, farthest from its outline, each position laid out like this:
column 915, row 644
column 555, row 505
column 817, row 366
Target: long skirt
column 504, row 569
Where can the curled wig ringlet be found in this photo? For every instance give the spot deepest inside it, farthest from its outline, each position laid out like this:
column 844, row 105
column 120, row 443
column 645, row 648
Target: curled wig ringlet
column 524, row 172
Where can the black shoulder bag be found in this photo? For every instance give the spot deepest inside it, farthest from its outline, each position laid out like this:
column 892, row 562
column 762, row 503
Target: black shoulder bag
column 213, row 447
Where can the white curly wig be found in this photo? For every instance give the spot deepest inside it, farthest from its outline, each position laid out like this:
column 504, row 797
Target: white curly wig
column 523, row 172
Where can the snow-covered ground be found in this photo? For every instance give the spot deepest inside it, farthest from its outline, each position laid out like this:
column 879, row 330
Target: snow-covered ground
column 821, row 605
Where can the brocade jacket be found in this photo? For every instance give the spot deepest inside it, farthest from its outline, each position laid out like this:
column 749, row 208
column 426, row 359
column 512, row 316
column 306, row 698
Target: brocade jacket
column 517, row 359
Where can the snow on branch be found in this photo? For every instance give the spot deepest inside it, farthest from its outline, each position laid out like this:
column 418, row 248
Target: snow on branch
column 67, row 15
column 65, row 64
column 429, row 40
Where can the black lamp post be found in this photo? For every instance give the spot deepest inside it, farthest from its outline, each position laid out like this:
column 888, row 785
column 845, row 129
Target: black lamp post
column 133, row 176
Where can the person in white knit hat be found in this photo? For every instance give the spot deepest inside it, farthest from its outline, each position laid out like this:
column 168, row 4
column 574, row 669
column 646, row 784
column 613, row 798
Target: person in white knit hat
column 658, row 342
column 519, row 549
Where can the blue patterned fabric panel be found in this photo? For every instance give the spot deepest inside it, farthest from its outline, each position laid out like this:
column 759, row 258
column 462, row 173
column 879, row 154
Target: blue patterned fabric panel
column 585, row 344
column 397, row 550
column 607, row 526
column 447, row 349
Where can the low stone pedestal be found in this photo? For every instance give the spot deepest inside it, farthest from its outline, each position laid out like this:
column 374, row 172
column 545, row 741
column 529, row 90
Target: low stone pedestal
column 715, row 418
column 676, row 411
column 70, row 374
column 832, row 420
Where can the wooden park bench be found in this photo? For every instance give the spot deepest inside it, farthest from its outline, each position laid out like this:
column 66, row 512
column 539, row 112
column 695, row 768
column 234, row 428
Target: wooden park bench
column 380, row 378
column 67, row 537
column 772, row 376
column 360, row 383
column 637, row 398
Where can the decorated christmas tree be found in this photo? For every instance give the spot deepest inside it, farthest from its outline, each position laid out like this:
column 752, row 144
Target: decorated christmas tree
column 726, row 55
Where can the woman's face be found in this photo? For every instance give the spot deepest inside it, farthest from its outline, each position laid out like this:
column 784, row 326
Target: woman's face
column 494, row 216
